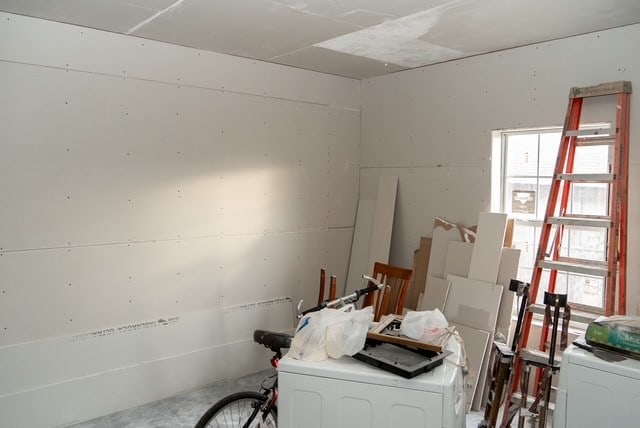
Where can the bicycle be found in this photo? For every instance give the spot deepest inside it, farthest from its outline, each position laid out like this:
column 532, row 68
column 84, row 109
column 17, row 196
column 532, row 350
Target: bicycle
column 258, row 409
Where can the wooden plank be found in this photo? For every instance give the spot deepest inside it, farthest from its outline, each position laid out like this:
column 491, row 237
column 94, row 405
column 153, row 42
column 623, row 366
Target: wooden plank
column 358, row 262
column 508, row 233
column 473, row 303
column 420, row 264
column 485, row 259
column 407, row 341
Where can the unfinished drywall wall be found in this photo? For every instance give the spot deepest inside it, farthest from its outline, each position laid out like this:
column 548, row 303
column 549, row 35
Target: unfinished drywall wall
column 158, row 204
column 432, row 127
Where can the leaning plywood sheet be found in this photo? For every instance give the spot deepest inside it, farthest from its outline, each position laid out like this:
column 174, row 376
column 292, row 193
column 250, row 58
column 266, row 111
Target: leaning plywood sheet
column 473, row 303
column 435, row 294
column 458, row 258
column 420, row 263
column 485, row 258
column 443, row 232
column 475, row 343
column 383, row 220
column 358, row 262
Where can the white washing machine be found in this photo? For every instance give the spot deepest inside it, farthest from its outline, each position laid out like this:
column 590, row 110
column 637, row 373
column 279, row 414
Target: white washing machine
column 593, row 393
column 347, row 393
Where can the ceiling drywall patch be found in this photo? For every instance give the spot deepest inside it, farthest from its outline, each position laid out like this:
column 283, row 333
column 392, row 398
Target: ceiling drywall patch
column 396, row 41
column 154, row 16
column 365, row 18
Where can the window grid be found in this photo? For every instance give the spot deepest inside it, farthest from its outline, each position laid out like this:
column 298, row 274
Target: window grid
column 585, row 292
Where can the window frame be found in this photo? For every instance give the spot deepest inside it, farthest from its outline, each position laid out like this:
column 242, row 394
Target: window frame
column 499, row 186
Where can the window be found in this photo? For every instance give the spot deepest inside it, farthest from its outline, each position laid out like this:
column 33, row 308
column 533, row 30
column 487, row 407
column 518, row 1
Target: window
column 523, row 165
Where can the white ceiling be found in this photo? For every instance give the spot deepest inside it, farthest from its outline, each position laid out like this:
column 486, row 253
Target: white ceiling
column 352, row 38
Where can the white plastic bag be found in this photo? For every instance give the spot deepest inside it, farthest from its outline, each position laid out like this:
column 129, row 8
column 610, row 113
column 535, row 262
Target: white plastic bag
column 425, row 326
column 330, row 332
column 308, row 342
column 347, row 335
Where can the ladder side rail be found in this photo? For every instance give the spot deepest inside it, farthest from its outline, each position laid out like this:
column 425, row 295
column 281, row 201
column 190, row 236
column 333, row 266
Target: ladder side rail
column 612, row 249
column 617, row 240
column 625, row 104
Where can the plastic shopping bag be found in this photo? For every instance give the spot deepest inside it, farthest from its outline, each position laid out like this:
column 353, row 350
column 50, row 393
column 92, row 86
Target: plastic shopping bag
column 425, row 326
column 330, row 333
column 347, row 335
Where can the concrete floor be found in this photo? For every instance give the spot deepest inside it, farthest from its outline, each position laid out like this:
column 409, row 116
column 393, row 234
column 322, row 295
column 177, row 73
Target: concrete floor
column 184, row 410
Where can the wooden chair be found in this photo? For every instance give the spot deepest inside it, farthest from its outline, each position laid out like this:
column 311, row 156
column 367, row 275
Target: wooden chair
column 332, row 287
column 391, row 299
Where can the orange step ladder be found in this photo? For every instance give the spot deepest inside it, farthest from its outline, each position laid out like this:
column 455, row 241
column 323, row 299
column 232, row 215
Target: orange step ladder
column 553, row 258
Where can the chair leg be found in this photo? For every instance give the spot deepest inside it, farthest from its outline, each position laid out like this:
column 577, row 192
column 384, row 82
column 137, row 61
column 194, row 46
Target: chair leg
column 322, row 282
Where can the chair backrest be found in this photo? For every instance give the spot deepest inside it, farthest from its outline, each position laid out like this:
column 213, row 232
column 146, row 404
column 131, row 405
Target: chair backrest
column 333, row 285
column 391, row 299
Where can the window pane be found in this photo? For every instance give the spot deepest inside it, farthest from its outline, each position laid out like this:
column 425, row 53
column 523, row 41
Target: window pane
column 587, row 243
column 591, row 159
column 544, row 186
column 590, row 198
column 586, row 290
column 522, row 155
column 549, row 143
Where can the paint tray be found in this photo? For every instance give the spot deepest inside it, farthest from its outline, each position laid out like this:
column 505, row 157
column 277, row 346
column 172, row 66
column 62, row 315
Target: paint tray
column 401, row 360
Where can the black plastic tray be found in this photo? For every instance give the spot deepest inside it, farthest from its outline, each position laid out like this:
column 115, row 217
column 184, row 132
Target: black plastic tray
column 401, row 360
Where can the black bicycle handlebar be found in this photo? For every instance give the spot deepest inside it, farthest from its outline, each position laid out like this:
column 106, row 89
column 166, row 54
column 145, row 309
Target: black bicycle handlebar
column 351, row 298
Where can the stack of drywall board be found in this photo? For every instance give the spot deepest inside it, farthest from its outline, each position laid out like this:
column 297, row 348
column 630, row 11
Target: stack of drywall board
column 465, row 280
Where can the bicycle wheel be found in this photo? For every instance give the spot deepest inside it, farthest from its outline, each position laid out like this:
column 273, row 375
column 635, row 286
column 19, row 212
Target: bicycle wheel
column 238, row 410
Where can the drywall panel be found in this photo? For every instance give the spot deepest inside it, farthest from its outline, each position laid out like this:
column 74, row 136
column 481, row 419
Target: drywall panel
column 383, row 220
column 74, row 378
column 126, row 159
column 508, row 270
column 343, row 136
column 485, row 258
column 475, row 343
column 458, row 258
column 56, row 360
column 473, row 303
column 361, row 246
column 443, row 233
column 433, row 120
column 49, row 293
column 435, row 294
column 67, row 47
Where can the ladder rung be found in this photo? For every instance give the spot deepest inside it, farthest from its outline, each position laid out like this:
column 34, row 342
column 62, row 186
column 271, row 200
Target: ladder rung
column 601, row 89
column 581, row 221
column 594, row 269
column 596, row 141
column 586, row 178
column 576, row 316
column 592, row 132
column 516, row 398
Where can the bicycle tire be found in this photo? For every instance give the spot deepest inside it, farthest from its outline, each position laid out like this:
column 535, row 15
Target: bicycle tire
column 235, row 410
